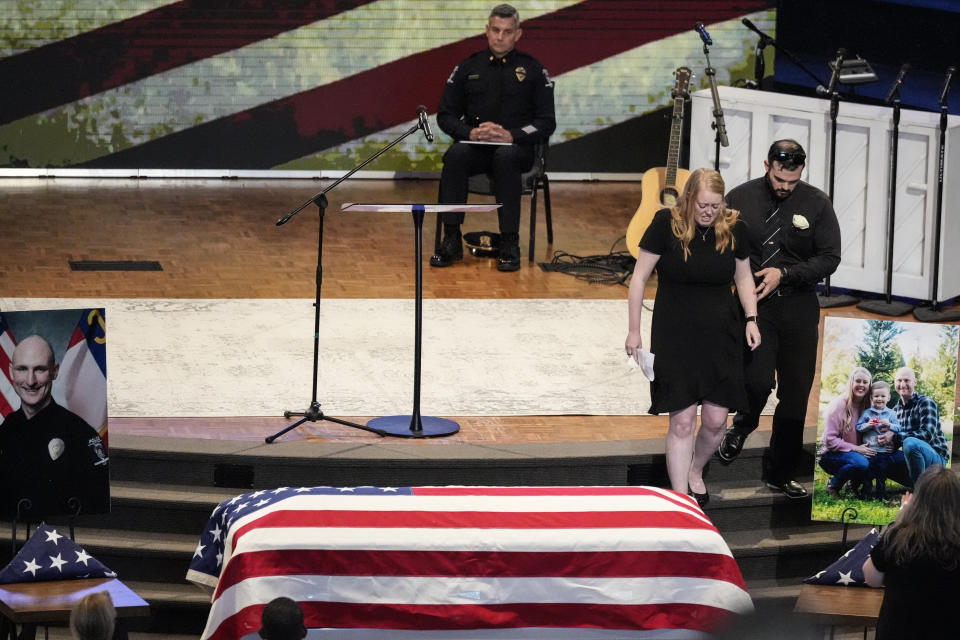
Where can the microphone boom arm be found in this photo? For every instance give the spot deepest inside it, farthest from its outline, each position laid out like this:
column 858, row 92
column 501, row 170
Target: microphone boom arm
column 322, row 194
column 765, row 39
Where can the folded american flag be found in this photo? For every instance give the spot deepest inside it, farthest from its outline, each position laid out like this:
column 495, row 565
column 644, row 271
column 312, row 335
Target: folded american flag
column 49, row 555
column 847, row 570
column 452, row 560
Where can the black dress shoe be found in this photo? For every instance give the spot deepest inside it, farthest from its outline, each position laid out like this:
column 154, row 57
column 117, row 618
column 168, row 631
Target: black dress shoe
column 790, row 488
column 509, row 257
column 450, row 251
column 730, row 447
column 701, row 498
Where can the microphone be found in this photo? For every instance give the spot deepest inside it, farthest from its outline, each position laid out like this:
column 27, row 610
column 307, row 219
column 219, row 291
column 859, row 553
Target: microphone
column 895, row 89
column 749, row 25
column 946, row 85
column 424, row 122
column 836, row 64
column 703, row 34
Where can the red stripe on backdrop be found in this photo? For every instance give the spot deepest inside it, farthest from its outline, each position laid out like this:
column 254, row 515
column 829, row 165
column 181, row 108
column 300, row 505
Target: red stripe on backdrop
column 147, row 44
column 505, row 616
column 354, row 107
column 480, row 564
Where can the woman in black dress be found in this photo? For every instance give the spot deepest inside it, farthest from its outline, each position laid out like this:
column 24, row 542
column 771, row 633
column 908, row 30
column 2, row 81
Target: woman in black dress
column 917, row 559
column 699, row 249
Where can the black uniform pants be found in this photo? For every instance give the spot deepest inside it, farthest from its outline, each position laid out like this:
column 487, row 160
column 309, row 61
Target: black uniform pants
column 787, row 356
column 504, row 164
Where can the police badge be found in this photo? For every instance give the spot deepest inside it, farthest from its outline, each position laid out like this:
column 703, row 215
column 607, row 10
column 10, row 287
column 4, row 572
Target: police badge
column 521, row 74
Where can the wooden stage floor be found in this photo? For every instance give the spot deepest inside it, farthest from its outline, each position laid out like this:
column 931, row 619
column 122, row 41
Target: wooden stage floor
column 218, row 239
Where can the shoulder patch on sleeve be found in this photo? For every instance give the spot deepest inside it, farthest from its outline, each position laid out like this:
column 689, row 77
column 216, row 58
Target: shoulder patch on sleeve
column 546, row 76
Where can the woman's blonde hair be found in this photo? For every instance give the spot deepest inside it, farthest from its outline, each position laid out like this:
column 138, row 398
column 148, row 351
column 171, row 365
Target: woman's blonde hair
column 93, row 617
column 853, row 407
column 682, row 220
column 928, row 527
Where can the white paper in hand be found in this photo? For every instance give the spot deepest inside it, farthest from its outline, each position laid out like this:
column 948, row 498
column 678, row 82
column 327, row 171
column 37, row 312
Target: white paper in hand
column 645, row 364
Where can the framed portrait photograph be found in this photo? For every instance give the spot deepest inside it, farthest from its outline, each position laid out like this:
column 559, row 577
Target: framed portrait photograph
column 888, row 397
column 54, row 445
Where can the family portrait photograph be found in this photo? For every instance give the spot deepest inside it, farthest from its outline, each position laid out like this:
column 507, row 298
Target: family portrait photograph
column 888, row 397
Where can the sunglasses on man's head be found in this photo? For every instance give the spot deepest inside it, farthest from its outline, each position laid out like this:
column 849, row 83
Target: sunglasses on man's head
column 790, row 157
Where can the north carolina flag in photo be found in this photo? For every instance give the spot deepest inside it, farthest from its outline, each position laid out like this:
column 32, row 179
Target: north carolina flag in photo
column 556, row 562
column 8, row 397
column 81, row 385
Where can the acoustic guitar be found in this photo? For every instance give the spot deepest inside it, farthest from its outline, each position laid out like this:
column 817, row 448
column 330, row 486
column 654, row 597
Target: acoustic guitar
column 661, row 186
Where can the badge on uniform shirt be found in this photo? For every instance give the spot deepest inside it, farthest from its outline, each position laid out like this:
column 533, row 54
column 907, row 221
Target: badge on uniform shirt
column 521, row 74
column 55, row 448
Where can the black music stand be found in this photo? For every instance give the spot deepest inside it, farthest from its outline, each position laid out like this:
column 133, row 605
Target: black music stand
column 826, row 299
column 930, row 310
column 414, row 425
column 888, row 306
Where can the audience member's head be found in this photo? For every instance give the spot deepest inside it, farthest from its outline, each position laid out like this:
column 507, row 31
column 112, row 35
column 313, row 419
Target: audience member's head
column 93, row 617
column 282, row 620
column 927, row 526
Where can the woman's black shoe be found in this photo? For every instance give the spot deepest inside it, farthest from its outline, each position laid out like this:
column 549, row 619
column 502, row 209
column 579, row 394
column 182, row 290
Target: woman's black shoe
column 701, row 498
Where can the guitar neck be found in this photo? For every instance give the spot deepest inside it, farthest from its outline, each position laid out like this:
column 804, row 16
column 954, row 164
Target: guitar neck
column 676, row 132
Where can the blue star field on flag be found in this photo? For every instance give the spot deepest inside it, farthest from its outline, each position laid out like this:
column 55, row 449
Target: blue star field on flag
column 49, row 555
column 848, row 569
column 208, row 556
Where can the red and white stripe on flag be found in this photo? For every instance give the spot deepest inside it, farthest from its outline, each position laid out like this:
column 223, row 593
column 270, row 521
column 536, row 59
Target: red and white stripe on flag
column 9, row 402
column 81, row 385
column 457, row 560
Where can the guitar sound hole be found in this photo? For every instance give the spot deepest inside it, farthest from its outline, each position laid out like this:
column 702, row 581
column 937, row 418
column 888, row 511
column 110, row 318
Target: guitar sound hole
column 669, row 197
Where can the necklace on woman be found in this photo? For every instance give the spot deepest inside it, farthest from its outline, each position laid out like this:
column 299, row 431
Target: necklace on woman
column 703, row 231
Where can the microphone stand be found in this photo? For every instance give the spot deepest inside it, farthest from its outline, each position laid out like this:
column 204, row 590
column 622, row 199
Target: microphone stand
column 889, row 307
column 930, row 311
column 313, row 413
column 758, row 65
column 718, row 124
column 825, row 299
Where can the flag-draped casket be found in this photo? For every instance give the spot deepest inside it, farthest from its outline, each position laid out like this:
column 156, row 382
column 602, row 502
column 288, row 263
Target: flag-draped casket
column 553, row 561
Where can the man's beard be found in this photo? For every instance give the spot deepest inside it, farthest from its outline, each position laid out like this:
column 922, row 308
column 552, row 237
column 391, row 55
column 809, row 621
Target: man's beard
column 779, row 194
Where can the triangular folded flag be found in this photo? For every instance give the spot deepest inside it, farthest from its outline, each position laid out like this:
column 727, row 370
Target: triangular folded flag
column 48, row 555
column 848, row 569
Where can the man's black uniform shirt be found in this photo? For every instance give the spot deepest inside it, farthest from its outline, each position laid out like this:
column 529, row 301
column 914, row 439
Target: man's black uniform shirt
column 50, row 458
column 514, row 91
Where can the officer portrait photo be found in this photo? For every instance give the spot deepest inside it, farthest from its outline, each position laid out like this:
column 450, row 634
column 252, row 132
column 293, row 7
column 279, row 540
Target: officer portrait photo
column 54, row 456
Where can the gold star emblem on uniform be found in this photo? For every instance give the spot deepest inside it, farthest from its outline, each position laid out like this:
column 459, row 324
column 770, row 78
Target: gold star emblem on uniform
column 521, row 73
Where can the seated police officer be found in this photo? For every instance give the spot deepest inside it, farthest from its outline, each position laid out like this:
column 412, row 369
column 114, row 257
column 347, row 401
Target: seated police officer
column 497, row 104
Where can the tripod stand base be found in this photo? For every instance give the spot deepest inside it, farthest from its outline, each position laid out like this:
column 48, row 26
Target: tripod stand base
column 829, row 302
column 404, row 427
column 314, row 414
column 928, row 314
column 892, row 308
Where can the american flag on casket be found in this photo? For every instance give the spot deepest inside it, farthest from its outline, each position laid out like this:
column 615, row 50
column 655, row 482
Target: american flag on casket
column 462, row 561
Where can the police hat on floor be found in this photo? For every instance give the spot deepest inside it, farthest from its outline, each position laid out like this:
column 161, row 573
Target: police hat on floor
column 483, row 244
